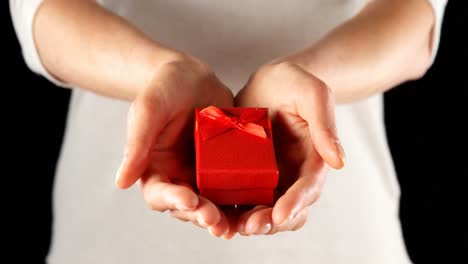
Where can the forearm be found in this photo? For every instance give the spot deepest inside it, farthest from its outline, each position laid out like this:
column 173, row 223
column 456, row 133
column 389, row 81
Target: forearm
column 387, row 43
column 84, row 45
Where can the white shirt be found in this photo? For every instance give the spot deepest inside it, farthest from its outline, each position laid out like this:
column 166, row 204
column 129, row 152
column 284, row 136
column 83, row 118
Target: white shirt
column 356, row 219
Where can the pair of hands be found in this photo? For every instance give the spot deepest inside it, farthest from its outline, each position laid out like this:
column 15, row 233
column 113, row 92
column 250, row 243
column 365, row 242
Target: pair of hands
column 160, row 132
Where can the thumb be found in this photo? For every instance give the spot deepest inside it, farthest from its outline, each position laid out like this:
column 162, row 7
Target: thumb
column 316, row 106
column 146, row 118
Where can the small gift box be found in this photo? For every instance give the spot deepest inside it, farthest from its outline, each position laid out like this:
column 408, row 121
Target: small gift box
column 235, row 159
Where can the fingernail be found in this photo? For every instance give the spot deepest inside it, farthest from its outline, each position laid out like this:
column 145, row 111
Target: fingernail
column 340, row 151
column 212, row 233
column 202, row 221
column 266, row 229
column 118, row 176
column 228, row 236
column 225, row 233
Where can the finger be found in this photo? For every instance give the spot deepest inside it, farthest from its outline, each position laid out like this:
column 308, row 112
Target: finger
column 145, row 121
column 178, row 215
column 304, row 192
column 295, row 224
column 205, row 215
column 300, row 220
column 221, row 228
column 161, row 195
column 316, row 106
column 233, row 215
column 241, row 225
column 259, row 222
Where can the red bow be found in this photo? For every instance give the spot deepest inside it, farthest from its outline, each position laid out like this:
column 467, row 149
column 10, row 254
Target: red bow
column 223, row 122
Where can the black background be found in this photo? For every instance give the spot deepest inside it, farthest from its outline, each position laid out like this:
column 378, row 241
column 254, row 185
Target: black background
column 424, row 122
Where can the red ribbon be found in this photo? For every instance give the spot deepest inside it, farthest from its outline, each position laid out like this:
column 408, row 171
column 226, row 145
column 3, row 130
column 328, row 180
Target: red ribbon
column 223, row 122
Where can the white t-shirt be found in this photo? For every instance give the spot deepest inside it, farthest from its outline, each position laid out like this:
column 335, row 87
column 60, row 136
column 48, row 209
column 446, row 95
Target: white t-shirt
column 356, row 219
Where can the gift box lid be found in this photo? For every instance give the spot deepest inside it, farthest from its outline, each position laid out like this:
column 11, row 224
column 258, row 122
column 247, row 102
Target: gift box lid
column 234, row 158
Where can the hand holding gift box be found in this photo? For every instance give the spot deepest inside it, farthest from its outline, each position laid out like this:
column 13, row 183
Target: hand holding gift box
column 157, row 148
column 235, row 159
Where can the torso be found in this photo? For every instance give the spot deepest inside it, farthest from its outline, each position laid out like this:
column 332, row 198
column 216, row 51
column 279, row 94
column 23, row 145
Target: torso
column 356, row 219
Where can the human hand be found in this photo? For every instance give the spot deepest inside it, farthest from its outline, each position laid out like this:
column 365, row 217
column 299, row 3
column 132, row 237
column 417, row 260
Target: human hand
column 302, row 112
column 159, row 150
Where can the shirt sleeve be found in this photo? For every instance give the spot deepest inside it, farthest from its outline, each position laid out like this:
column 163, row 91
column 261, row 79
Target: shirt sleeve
column 23, row 13
column 438, row 7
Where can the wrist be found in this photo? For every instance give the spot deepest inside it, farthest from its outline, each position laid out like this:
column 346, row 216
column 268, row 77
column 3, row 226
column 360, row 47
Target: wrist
column 315, row 62
column 154, row 59
column 175, row 72
column 325, row 64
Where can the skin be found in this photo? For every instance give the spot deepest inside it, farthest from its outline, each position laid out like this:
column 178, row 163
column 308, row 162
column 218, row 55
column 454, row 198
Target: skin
column 364, row 56
column 378, row 43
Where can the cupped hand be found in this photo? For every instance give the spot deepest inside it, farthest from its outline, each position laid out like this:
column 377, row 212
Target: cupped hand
column 306, row 143
column 159, row 149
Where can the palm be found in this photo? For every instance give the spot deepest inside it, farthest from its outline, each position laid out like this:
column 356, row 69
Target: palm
column 171, row 161
column 304, row 136
column 297, row 160
column 159, row 147
column 293, row 147
column 171, row 158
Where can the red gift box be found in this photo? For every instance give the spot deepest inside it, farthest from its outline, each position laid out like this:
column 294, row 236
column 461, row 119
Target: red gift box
column 235, row 159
